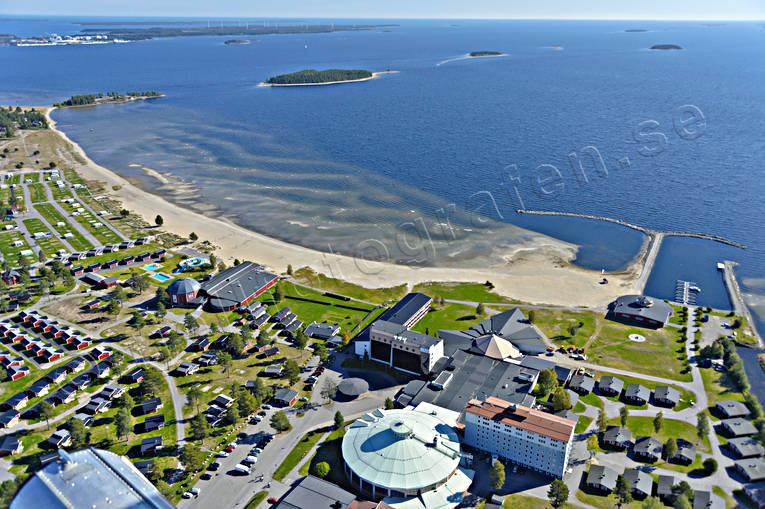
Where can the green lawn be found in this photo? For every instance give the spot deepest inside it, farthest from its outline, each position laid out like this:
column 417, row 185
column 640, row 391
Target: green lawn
column 302, row 448
column 11, row 252
column 643, row 426
column 718, row 387
column 592, row 399
column 103, row 234
column 450, row 317
column 309, row 312
column 51, row 245
column 60, row 193
column 582, row 424
column 53, row 216
column 678, row 318
column 516, row 501
column 309, row 277
column 471, row 292
column 256, row 499
column 664, row 347
column 330, row 451
column 37, row 192
column 556, row 325
column 607, row 502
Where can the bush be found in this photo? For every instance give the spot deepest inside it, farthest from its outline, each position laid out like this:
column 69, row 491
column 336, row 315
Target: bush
column 710, row 466
column 321, row 469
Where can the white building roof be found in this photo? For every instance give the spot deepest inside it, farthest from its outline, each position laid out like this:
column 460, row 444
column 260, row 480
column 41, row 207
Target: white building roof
column 402, row 449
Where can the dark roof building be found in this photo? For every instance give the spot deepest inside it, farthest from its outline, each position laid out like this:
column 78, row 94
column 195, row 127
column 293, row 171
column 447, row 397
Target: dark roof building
column 89, row 478
column 617, row 437
column 582, row 384
column 641, row 309
column 602, row 478
column 150, row 445
column 183, row 292
column 236, row 286
column 738, row 427
column 511, row 325
column 745, row 447
column 409, row 310
column 732, row 408
column 648, row 449
column 640, row 482
column 284, row 396
column 610, row 385
column 10, row 445
column 703, row 499
column 314, row 493
column 637, row 394
column 321, row 330
column 752, row 469
column 667, row 396
column 664, row 487
column 353, row 387
column 686, row 452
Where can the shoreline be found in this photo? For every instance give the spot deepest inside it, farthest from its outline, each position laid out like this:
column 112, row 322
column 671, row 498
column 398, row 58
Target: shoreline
column 122, row 101
column 536, row 272
column 375, row 75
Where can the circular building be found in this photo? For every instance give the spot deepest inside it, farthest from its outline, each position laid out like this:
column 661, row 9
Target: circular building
column 400, row 453
column 353, row 387
column 183, row 290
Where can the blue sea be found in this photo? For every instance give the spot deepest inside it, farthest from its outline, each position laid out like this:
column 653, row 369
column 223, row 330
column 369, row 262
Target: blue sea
column 428, row 165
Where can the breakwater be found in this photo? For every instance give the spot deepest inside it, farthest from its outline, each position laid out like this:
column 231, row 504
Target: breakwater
column 647, row 231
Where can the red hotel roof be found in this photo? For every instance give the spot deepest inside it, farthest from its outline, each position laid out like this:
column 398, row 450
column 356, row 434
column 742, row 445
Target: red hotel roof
column 535, row 421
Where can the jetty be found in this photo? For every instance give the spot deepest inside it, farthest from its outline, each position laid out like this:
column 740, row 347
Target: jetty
column 737, row 298
column 647, row 231
column 650, row 258
column 686, row 292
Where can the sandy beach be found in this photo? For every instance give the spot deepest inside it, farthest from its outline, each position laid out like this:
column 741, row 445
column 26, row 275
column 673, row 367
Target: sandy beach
column 537, row 272
column 374, row 76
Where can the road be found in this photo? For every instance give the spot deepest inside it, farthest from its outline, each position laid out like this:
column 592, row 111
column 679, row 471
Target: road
column 227, row 489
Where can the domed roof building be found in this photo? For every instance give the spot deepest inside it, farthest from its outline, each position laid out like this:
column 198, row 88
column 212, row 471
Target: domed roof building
column 353, row 387
column 398, row 455
column 183, row 291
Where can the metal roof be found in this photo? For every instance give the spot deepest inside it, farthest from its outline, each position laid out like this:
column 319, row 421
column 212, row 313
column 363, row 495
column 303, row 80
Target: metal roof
column 353, row 386
column 406, row 308
column 635, row 305
column 402, row 449
column 89, row 478
column 317, row 494
column 184, row 285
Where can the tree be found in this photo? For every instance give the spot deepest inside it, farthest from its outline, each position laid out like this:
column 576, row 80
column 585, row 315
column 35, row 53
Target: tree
column 162, row 296
column 261, row 391
column 321, row 469
column 79, row 433
column 320, row 351
column 658, row 422
column 137, row 321
column 248, row 403
column 710, row 466
column 46, row 411
column 702, row 426
column 670, row 448
column 158, row 220
column 301, row 340
column 561, row 400
column 192, row 457
column 682, row 502
column 547, row 381
column 289, row 270
column 653, row 503
column 138, row 283
column 263, row 339
column 125, row 401
column 151, row 384
column 235, row 344
column 280, row 422
column 497, row 475
column 624, row 413
column 602, row 421
column 194, row 396
column 165, row 489
column 684, row 490
column 124, row 213
column 118, row 294
column 122, row 422
column 113, row 307
column 193, row 237
column 199, row 428
column 479, row 309
column 52, row 164
column 530, row 316
column 232, row 415
column 225, row 360
column 623, row 491
column 389, row 404
column 278, row 294
column 339, row 420
column 160, row 310
column 329, row 389
column 190, row 323
column 558, row 493
column 292, row 371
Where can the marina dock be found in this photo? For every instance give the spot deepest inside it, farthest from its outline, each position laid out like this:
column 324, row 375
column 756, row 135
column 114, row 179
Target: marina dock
column 686, row 292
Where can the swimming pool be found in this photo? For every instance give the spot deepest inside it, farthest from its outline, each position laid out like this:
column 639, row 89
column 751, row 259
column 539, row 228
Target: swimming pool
column 162, row 278
column 192, row 262
column 151, row 266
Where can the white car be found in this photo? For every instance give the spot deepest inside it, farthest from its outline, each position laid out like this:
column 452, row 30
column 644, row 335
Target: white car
column 244, row 469
column 266, row 407
column 222, row 454
column 249, row 460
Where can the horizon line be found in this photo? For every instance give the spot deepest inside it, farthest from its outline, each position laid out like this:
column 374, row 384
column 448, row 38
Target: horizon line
column 266, row 18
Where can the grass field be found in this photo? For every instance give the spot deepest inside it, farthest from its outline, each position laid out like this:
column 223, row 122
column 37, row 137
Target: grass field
column 516, row 501
column 450, row 317
column 53, row 216
column 309, row 312
column 311, row 278
column 50, row 245
column 556, row 324
column 37, row 192
column 718, row 388
column 256, row 499
column 582, row 424
column 60, row 193
column 664, row 347
column 330, row 451
column 601, row 502
column 103, row 234
column 9, row 251
column 471, row 292
column 299, row 452
column 643, row 426
column 592, row 399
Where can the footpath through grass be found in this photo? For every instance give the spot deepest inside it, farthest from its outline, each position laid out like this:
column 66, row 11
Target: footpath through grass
column 54, row 217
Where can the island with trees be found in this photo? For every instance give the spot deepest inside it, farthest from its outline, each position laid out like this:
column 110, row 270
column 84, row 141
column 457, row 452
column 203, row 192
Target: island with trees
column 15, row 119
column 666, row 47
column 478, row 54
column 108, row 98
column 237, row 41
column 326, row 77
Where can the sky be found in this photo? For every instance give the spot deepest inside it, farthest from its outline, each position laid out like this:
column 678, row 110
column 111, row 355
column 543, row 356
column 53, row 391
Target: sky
column 524, row 9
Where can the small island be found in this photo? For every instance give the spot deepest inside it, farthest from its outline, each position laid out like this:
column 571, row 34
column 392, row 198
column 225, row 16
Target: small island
column 636, row 30
column 326, row 77
column 108, row 98
column 237, row 41
column 477, row 54
column 666, row 47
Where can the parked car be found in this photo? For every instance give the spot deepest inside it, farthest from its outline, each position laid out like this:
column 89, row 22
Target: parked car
column 272, row 500
column 206, row 476
column 223, row 454
column 266, row 407
column 242, row 469
column 304, row 399
column 215, row 465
